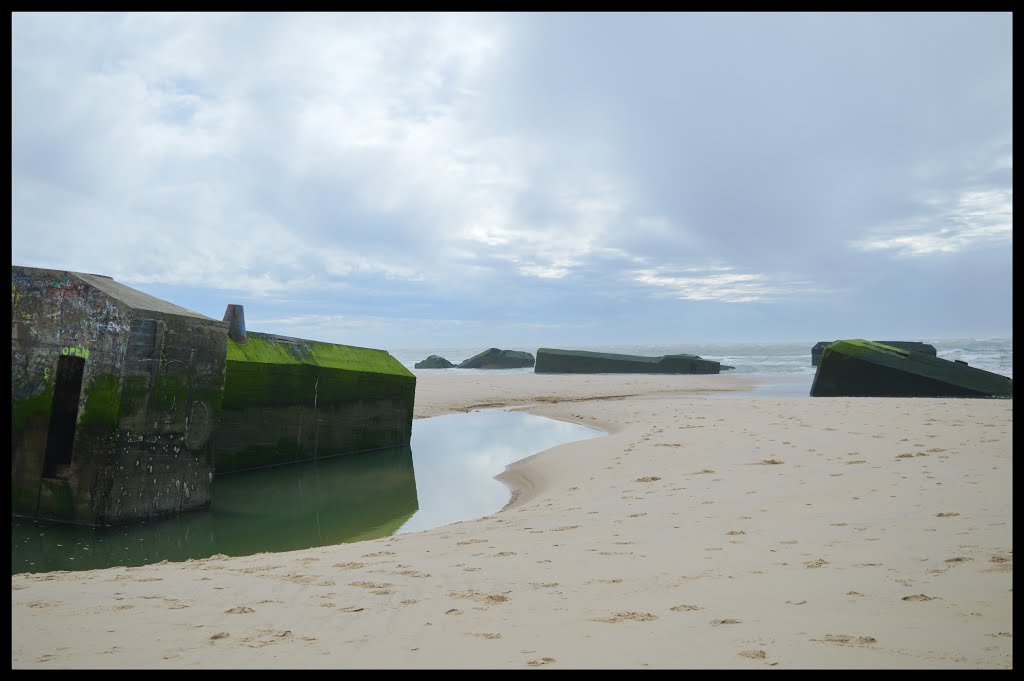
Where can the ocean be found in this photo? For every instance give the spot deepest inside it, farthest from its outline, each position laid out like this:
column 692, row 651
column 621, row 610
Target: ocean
column 780, row 369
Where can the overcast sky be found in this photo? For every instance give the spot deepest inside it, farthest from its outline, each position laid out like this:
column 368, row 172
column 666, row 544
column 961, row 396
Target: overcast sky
column 527, row 180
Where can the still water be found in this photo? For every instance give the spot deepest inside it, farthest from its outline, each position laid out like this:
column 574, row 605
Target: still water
column 445, row 475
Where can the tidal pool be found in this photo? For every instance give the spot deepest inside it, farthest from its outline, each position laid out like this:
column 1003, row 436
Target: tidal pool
column 445, row 475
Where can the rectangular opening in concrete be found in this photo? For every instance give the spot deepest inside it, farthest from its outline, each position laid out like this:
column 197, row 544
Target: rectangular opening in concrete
column 60, row 439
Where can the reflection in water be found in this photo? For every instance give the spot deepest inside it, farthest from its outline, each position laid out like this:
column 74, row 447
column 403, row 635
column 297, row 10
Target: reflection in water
column 458, row 455
column 330, row 501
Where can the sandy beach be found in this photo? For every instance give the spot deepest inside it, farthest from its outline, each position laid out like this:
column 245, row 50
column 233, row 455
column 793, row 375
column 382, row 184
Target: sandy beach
column 700, row 533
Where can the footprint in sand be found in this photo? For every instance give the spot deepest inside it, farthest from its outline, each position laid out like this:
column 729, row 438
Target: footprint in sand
column 481, row 597
column 919, row 597
column 727, row 620
column 543, row 660
column 844, row 639
column 628, row 616
column 414, row 573
column 754, row 654
column 265, row 637
column 380, row 588
column 240, row 610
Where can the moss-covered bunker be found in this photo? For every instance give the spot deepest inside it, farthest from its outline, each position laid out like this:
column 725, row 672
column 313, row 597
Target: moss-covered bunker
column 125, row 407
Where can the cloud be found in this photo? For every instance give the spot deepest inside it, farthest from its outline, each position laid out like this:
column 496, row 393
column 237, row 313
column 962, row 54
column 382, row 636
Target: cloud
column 722, row 284
column 973, row 219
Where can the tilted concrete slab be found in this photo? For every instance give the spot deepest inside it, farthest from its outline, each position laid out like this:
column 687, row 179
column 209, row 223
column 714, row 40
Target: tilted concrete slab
column 860, row 368
column 555, row 361
column 914, row 346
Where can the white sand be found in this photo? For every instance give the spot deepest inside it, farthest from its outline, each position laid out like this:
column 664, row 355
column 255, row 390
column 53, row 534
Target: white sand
column 699, row 533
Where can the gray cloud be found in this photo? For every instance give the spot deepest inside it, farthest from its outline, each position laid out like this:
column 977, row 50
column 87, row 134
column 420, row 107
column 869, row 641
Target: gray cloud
column 589, row 171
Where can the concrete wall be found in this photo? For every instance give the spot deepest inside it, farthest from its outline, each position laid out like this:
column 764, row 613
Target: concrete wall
column 151, row 388
column 289, row 399
column 172, row 389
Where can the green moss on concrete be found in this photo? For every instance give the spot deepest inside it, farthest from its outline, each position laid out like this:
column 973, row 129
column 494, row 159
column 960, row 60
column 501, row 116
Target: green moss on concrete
column 134, row 394
column 857, row 346
column 32, row 411
column 268, row 350
column 102, row 403
column 24, row 499
column 55, row 499
column 252, row 384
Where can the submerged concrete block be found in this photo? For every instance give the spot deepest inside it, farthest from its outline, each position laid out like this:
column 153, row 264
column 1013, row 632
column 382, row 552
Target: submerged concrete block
column 554, row 361
column 860, row 368
column 493, row 358
column 914, row 346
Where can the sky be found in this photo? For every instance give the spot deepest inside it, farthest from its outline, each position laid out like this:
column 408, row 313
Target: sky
column 524, row 180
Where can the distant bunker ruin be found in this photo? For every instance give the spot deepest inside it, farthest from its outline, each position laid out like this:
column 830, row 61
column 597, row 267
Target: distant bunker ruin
column 553, row 361
column 125, row 407
column 495, row 358
column 860, row 368
column 914, row 346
